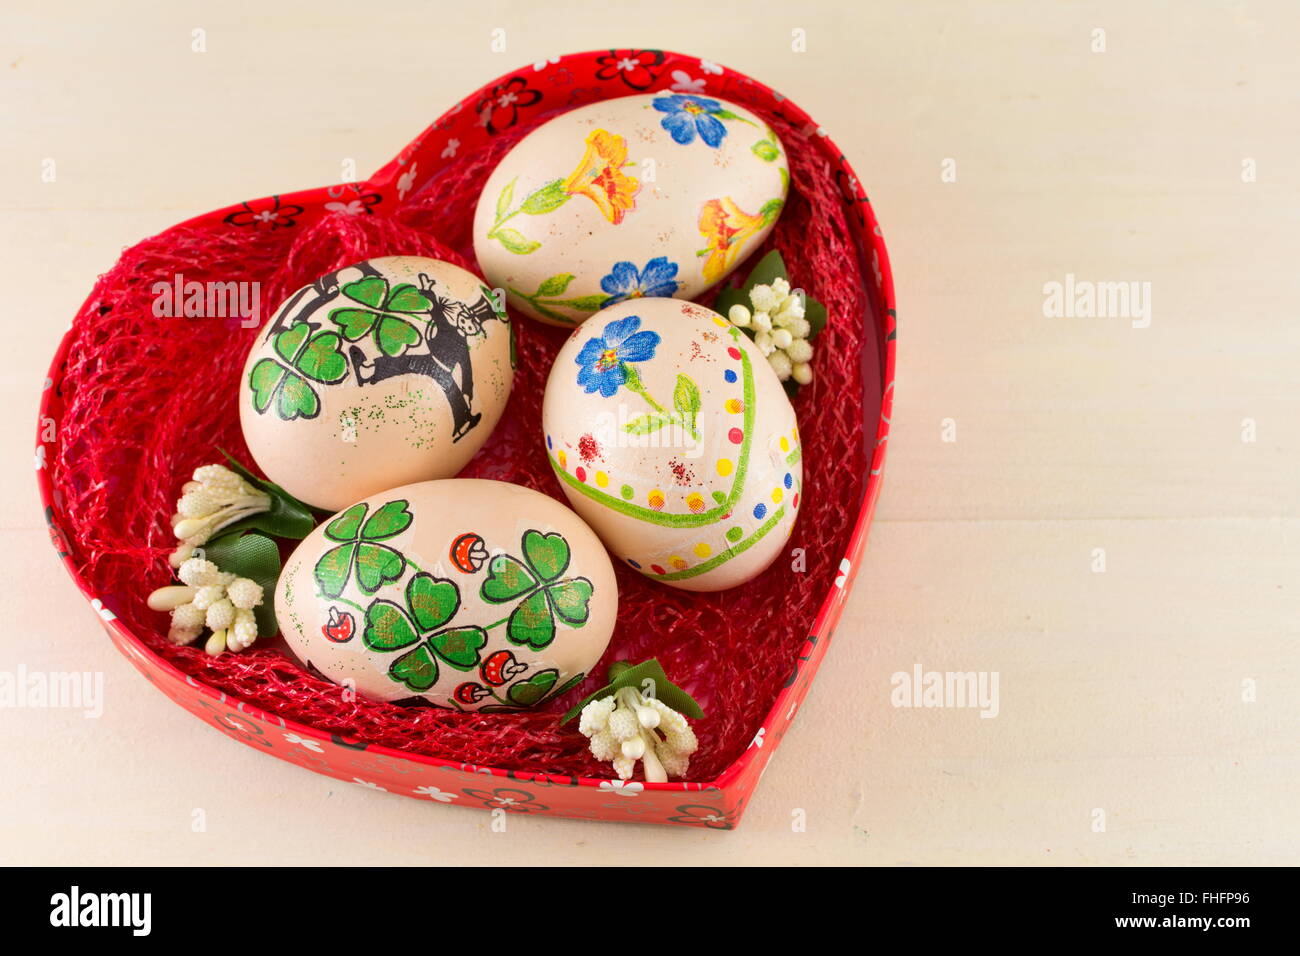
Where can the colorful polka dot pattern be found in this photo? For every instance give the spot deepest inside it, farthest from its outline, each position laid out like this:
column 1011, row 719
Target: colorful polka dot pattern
column 765, row 510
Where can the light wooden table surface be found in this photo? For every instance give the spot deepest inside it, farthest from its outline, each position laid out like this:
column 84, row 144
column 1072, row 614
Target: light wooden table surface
column 1147, row 711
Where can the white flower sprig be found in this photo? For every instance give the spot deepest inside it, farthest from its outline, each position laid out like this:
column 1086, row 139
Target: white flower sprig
column 629, row 726
column 209, row 597
column 640, row 715
column 781, row 329
column 215, row 499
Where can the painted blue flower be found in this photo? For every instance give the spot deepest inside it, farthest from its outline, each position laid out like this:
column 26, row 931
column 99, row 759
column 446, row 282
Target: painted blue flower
column 688, row 115
column 658, row 278
column 602, row 360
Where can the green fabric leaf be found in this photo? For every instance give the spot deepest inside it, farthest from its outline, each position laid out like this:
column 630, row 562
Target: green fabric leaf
column 296, row 399
column 624, row 675
column 515, row 241
column 547, row 554
column 546, row 199
column 288, row 342
column 323, row 359
column 390, row 519
column 287, row 518
column 394, row 335
column 815, row 313
column 569, row 599
column 332, row 568
column 433, row 601
column 368, row 291
column 377, row 565
column 407, row 298
column 531, row 623
column 528, row 692
column 769, row 268
column 459, row 646
column 263, row 380
column 387, row 627
column 346, row 525
column 728, row 297
column 416, row 669
column 507, row 579
column 257, row 558
column 555, row 285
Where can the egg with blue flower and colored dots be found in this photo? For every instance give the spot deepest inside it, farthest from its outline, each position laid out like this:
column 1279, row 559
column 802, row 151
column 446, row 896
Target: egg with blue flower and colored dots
column 673, row 438
column 466, row 594
column 646, row 196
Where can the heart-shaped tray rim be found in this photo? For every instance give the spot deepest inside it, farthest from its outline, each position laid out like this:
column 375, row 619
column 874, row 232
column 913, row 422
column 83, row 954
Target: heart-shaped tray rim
column 671, row 70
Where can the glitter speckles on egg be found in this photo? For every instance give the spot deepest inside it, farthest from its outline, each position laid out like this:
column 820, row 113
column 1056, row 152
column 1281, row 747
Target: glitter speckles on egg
column 588, row 448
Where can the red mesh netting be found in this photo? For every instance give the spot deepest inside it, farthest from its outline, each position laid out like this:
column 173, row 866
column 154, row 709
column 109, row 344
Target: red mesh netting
column 148, row 399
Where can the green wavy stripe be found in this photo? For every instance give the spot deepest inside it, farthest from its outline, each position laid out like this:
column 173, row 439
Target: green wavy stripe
column 722, row 557
column 680, row 520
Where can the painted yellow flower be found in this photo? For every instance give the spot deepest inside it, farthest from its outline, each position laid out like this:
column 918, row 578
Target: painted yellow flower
column 727, row 228
column 600, row 176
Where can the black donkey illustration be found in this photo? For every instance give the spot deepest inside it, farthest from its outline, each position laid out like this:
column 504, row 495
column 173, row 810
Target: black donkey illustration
column 443, row 352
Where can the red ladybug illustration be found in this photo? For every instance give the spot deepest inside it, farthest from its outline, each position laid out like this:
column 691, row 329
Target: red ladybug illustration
column 339, row 628
column 500, row 667
column 470, row 693
column 468, row 552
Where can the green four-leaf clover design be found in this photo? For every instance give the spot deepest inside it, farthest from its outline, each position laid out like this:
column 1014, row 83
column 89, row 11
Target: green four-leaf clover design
column 302, row 358
column 382, row 317
column 430, row 603
column 360, row 549
column 543, row 596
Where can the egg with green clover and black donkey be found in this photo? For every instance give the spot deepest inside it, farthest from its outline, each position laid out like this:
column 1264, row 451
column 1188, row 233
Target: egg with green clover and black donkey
column 382, row 373
column 467, row 594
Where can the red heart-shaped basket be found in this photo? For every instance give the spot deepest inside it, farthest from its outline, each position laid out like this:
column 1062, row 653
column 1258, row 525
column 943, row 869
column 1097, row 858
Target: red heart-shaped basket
column 135, row 401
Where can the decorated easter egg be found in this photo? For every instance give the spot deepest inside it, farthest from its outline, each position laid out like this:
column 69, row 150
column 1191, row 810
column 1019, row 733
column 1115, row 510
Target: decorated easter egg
column 674, row 439
column 386, row 372
column 655, row 195
column 461, row 593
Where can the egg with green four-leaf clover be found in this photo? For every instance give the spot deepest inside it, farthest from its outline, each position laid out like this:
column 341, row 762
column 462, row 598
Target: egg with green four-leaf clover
column 385, row 372
column 462, row 593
